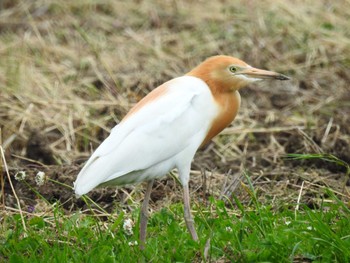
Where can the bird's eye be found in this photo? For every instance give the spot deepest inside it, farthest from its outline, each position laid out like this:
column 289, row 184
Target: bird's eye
column 233, row 69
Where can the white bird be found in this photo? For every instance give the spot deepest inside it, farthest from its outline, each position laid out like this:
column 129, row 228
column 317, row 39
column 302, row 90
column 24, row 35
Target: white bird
column 164, row 130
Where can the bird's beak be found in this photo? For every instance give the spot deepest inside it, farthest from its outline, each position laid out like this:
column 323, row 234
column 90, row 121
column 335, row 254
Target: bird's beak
column 262, row 74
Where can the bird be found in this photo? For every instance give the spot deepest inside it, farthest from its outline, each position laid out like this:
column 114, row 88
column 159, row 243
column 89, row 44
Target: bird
column 164, row 130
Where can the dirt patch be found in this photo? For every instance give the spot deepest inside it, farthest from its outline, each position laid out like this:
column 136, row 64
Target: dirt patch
column 279, row 183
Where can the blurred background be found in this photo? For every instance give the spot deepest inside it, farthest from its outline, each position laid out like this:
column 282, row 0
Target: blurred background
column 70, row 71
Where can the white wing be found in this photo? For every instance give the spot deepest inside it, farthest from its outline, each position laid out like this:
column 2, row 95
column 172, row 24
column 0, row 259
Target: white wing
column 158, row 131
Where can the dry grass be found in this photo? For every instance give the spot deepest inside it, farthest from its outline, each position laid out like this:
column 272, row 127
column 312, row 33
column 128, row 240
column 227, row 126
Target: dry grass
column 70, row 70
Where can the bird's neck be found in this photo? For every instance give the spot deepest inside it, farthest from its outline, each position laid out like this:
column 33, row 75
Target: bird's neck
column 224, row 94
column 228, row 104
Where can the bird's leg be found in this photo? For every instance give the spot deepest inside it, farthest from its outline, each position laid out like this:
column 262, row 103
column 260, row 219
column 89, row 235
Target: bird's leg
column 144, row 215
column 187, row 211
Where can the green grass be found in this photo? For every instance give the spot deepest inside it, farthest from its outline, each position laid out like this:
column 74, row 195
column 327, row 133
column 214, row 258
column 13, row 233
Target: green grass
column 238, row 233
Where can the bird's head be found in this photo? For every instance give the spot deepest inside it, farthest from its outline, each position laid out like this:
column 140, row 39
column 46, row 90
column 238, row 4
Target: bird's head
column 225, row 73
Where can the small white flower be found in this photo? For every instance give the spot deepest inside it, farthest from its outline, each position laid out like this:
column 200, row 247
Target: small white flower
column 228, row 229
column 309, row 228
column 127, row 226
column 20, row 176
column 288, row 223
column 133, row 243
column 40, row 178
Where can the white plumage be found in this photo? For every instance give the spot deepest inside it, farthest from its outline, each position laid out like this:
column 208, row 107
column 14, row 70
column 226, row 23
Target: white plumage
column 165, row 134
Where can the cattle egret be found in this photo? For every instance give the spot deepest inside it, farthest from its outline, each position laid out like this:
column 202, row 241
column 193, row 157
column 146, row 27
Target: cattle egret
column 164, row 130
